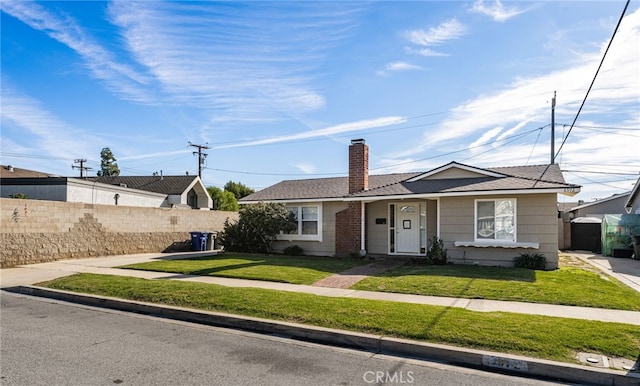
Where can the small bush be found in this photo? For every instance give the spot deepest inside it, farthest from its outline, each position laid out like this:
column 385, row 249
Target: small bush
column 530, row 261
column 437, row 254
column 354, row 255
column 293, row 250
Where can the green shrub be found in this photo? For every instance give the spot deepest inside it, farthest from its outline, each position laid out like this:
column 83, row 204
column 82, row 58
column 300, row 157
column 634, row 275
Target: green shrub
column 257, row 228
column 437, row 254
column 530, row 261
column 293, row 250
column 354, row 255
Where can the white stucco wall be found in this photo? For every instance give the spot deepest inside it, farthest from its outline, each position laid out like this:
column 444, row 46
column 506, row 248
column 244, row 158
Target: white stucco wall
column 96, row 193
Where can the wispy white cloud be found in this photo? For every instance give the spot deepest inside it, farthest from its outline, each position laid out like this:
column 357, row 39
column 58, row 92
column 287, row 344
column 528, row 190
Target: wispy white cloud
column 256, row 63
column 449, row 30
column 306, row 168
column 155, row 155
column 326, row 132
column 424, row 51
column 486, row 137
column 435, row 36
column 47, row 133
column 497, row 11
column 398, row 67
column 119, row 78
column 402, row 66
column 525, row 104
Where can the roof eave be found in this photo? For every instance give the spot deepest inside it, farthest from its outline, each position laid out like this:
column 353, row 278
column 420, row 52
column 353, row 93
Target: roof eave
column 465, row 194
column 571, row 191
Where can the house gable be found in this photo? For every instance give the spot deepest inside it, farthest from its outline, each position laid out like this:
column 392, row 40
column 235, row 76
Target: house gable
column 634, row 199
column 455, row 170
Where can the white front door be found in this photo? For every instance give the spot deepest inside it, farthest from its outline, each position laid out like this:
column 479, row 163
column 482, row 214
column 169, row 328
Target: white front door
column 408, row 228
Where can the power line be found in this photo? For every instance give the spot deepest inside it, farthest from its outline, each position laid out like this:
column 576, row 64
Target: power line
column 608, row 132
column 606, row 173
column 506, row 141
column 615, row 31
column 602, row 127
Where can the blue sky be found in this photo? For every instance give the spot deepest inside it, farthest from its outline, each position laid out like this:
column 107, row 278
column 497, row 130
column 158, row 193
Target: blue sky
column 277, row 90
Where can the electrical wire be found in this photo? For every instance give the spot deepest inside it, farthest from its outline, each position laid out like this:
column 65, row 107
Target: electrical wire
column 604, row 55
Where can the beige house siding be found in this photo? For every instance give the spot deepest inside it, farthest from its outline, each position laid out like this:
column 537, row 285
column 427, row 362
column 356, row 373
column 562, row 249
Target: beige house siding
column 454, row 173
column 536, row 223
column 377, row 234
column 432, row 219
column 326, row 247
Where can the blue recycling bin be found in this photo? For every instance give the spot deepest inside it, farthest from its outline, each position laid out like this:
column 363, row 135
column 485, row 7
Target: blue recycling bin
column 203, row 241
column 196, row 241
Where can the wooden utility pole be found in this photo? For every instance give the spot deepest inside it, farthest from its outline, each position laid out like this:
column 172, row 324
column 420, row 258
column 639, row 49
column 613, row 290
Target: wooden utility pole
column 553, row 128
column 81, row 167
column 201, row 156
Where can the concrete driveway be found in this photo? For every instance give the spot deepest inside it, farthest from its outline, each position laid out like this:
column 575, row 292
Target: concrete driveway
column 624, row 269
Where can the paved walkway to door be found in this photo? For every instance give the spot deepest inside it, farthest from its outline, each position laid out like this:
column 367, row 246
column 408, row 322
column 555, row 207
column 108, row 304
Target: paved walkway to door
column 353, row 275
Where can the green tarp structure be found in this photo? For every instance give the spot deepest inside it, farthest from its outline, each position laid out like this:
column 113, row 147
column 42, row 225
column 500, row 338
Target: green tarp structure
column 617, row 230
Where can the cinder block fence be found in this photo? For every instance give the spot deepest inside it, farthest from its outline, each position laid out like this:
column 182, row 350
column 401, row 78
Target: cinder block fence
column 35, row 231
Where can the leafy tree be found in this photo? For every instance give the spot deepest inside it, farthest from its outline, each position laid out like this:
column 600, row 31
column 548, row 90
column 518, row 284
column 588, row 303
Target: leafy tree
column 108, row 165
column 257, row 228
column 223, row 200
column 239, row 190
column 228, row 202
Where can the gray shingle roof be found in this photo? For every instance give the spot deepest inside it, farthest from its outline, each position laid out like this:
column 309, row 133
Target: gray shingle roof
column 7, row 171
column 514, row 178
column 165, row 185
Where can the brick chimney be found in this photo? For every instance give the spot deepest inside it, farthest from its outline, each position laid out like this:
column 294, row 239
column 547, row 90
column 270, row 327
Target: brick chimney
column 358, row 166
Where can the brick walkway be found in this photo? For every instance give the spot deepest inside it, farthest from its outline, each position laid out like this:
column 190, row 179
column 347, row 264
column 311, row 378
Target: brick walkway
column 353, row 275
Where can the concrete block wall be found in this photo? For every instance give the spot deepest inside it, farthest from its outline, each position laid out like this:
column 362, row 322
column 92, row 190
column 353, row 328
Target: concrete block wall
column 34, row 231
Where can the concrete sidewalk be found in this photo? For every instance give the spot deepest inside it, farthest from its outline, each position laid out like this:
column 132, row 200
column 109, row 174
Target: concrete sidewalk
column 35, row 273
column 21, row 279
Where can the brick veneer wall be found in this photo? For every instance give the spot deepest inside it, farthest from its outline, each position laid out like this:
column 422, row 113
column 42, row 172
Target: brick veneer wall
column 348, row 226
column 34, row 231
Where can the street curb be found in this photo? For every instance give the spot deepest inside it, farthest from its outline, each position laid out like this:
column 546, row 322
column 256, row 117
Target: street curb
column 484, row 360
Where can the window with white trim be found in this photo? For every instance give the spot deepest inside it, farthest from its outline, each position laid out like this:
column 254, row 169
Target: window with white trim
column 309, row 223
column 495, row 220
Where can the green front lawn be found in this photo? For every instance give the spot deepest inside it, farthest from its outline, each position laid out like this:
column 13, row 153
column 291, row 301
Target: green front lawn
column 536, row 336
column 572, row 284
column 565, row 286
column 284, row 269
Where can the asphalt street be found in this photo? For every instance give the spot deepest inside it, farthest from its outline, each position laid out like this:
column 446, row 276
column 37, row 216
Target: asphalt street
column 47, row 342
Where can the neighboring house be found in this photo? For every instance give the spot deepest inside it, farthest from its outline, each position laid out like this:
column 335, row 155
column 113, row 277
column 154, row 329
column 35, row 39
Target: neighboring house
column 582, row 223
column 485, row 216
column 632, row 205
column 152, row 191
column 610, row 205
